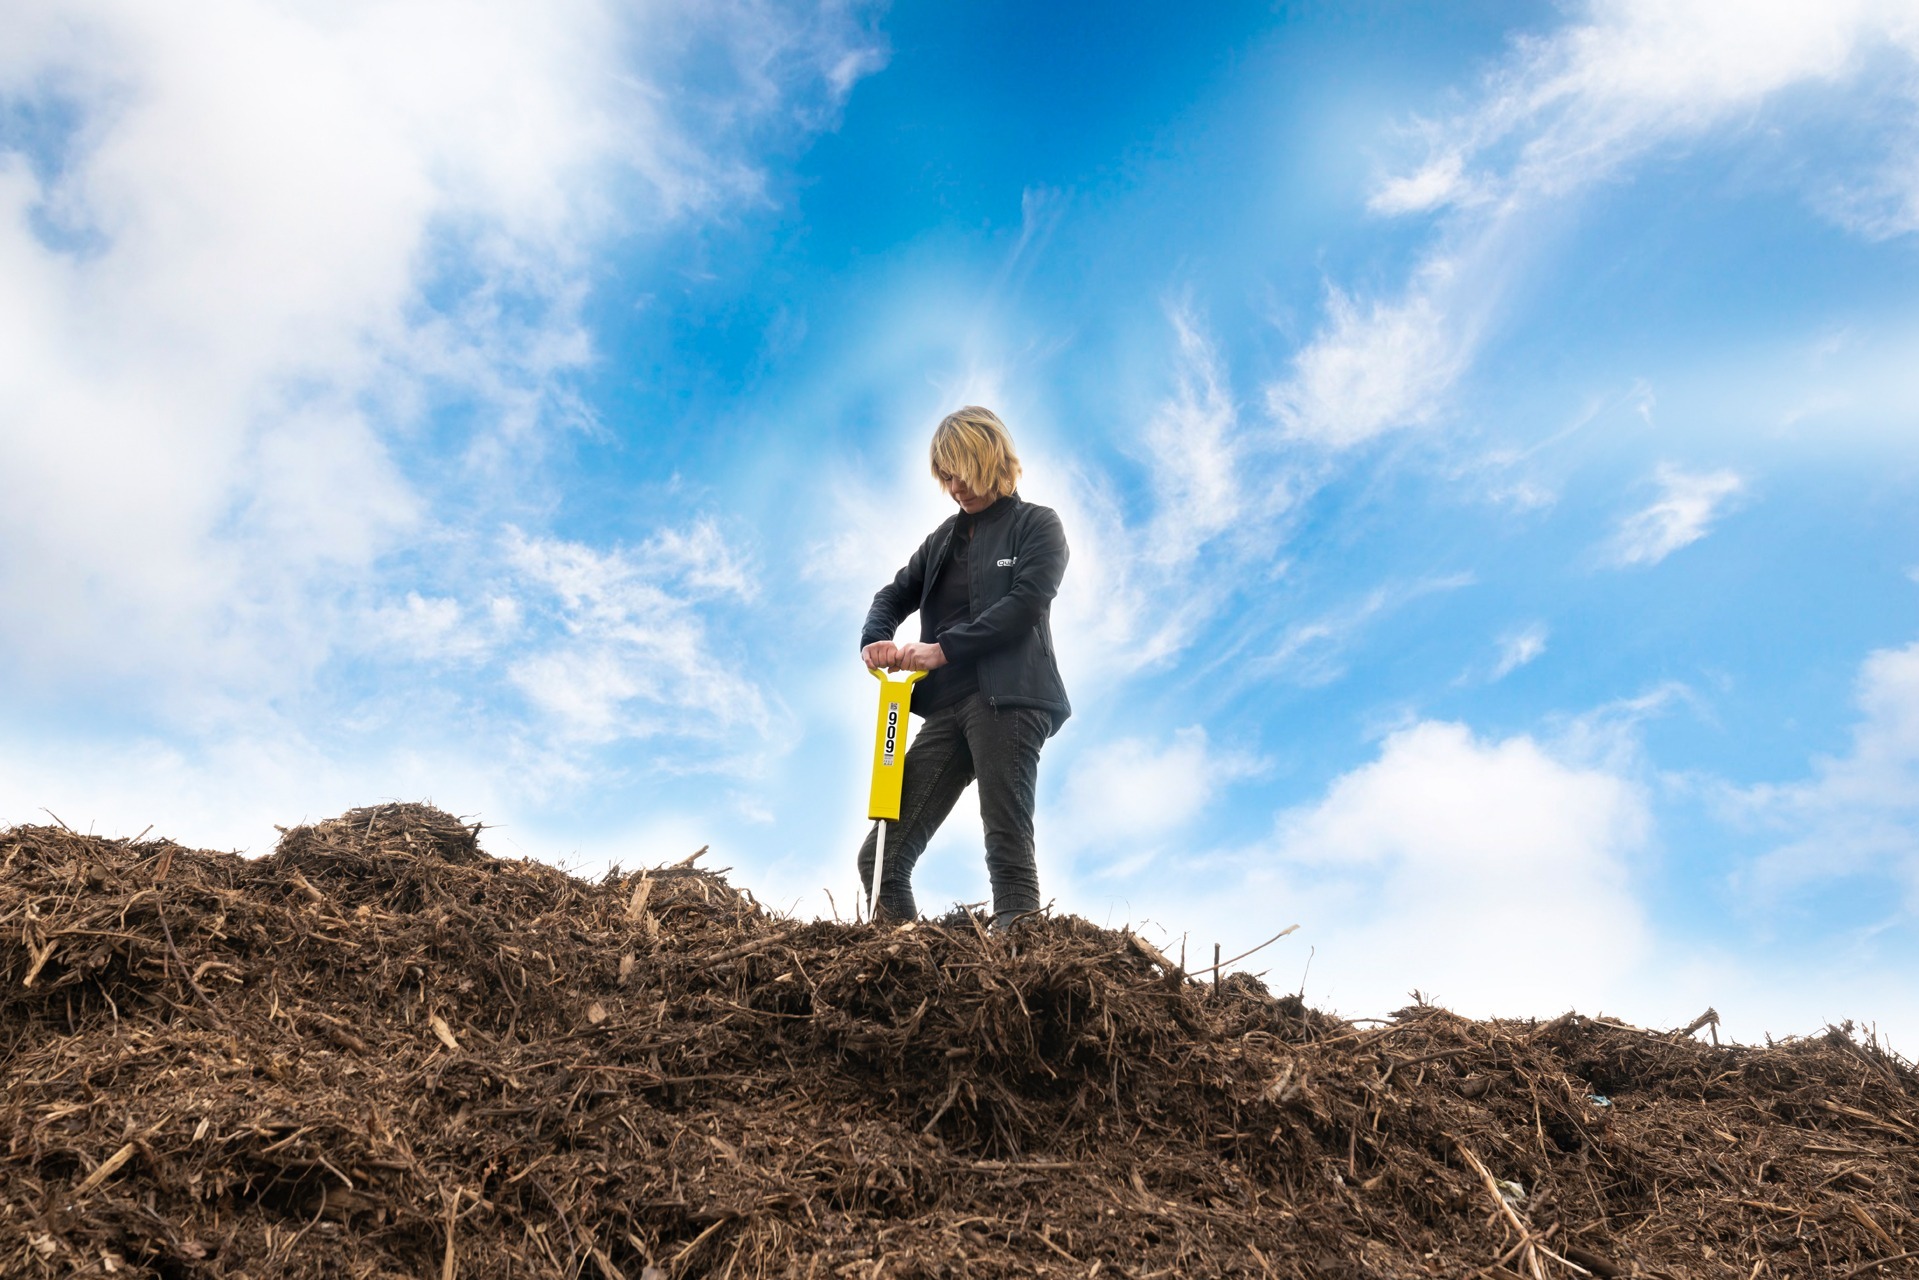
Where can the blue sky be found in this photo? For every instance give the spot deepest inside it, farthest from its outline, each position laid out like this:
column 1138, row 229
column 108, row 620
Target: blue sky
column 1488, row 435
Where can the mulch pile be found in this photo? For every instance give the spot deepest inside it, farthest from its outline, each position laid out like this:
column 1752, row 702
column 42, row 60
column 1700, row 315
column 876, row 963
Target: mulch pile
column 382, row 1052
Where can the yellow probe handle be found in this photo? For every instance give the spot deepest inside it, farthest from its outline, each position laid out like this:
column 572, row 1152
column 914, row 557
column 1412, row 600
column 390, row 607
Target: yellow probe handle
column 889, row 743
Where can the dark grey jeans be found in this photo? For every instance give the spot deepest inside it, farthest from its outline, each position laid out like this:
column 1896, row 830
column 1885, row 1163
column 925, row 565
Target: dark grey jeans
column 955, row 745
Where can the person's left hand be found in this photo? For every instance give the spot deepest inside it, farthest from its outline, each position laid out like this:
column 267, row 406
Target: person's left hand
column 915, row 656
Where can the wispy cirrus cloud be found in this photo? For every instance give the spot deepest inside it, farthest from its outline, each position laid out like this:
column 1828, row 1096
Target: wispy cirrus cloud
column 1565, row 110
column 1198, row 451
column 1376, row 366
column 1558, row 115
column 1438, row 183
column 1149, row 576
column 1217, row 500
column 625, row 645
column 1313, row 652
column 1682, row 514
column 1518, row 648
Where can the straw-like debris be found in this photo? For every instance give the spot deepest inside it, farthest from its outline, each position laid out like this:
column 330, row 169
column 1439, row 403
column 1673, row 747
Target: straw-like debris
column 380, row 1052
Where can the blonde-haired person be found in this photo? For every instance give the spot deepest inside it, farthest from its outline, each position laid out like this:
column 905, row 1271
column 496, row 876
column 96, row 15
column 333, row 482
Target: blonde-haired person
column 983, row 585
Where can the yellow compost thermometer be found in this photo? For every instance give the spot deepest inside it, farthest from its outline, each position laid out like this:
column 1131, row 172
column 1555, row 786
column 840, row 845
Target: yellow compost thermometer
column 889, row 766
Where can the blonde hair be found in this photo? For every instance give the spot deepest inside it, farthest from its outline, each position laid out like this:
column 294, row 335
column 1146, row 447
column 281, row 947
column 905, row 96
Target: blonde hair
column 973, row 446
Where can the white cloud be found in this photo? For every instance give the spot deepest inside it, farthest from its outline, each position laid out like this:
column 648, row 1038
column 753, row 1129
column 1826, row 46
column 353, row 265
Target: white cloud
column 1567, row 109
column 1560, row 114
column 630, row 650
column 1123, row 797
column 422, row 628
column 231, row 792
column 256, row 248
column 1608, row 736
column 1437, row 184
column 1511, row 877
column 1375, row 368
column 1520, row 648
column 1494, row 876
column 1883, row 204
column 1149, row 587
column 1858, row 813
column 1146, row 587
column 1313, row 652
column 1425, row 802
column 224, row 794
column 1682, row 514
column 1196, row 448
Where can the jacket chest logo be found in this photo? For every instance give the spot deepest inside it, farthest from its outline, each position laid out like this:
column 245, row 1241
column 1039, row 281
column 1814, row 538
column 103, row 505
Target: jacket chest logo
column 1008, row 562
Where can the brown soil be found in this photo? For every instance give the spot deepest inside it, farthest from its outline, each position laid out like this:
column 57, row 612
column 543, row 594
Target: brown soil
column 382, row 1052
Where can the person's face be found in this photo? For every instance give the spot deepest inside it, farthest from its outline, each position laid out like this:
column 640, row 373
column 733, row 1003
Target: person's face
column 969, row 502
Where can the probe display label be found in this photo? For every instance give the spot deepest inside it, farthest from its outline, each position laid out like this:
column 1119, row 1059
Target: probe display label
column 892, row 733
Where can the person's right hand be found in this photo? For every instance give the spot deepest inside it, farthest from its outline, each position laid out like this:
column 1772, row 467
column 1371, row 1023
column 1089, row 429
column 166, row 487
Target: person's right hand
column 881, row 653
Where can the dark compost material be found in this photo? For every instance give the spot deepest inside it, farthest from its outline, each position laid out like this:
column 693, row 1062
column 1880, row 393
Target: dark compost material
column 381, row 1052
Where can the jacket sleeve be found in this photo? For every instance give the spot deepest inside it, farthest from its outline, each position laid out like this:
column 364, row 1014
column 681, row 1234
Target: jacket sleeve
column 901, row 596
column 1036, row 577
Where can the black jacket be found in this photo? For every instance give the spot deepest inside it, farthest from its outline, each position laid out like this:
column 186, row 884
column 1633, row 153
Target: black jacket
column 1017, row 559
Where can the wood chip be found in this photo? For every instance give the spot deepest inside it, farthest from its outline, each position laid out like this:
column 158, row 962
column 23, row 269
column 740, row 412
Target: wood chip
column 444, row 1032
column 108, row 1167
